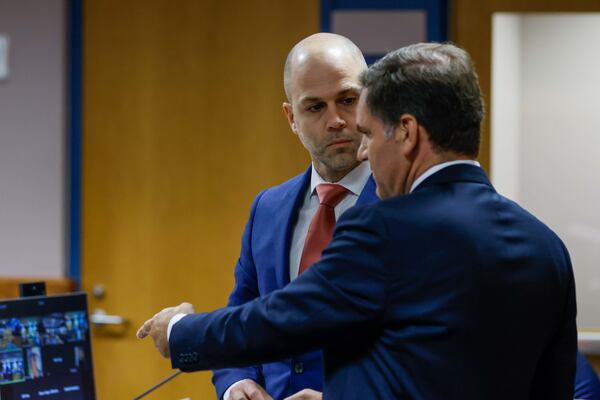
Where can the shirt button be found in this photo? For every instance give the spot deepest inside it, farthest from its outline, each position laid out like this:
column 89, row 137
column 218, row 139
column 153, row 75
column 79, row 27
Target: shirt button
column 298, row 368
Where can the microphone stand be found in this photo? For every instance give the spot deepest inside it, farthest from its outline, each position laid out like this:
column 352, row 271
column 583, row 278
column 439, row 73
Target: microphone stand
column 159, row 384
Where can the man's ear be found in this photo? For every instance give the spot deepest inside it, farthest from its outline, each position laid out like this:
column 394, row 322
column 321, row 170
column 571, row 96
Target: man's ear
column 289, row 114
column 407, row 133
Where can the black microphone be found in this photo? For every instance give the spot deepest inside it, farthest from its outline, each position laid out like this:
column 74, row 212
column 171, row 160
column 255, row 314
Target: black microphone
column 159, row 384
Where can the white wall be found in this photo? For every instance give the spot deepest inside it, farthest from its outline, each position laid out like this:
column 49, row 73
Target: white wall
column 505, row 117
column 546, row 132
column 32, row 139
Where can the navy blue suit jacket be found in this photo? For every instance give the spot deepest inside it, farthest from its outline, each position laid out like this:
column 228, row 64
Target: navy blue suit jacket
column 587, row 384
column 451, row 292
column 263, row 267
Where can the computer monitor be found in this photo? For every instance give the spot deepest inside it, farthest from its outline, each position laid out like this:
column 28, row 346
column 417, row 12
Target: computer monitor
column 45, row 350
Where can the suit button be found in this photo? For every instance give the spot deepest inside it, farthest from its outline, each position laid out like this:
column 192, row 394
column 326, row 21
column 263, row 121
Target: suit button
column 298, row 368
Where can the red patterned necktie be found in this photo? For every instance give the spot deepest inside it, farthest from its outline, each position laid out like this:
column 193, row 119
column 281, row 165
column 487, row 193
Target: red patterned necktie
column 321, row 226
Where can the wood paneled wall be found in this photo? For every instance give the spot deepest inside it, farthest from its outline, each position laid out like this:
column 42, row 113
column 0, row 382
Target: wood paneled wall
column 182, row 127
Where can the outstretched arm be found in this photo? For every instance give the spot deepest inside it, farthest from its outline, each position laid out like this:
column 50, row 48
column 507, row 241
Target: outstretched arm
column 346, row 290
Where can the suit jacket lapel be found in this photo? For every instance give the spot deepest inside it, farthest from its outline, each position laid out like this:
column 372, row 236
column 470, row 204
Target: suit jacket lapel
column 284, row 220
column 368, row 194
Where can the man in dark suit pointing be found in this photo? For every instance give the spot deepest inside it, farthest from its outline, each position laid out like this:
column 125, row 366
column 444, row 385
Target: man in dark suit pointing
column 444, row 290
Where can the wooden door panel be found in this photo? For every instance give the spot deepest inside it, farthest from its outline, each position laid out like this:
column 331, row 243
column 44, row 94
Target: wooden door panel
column 182, row 127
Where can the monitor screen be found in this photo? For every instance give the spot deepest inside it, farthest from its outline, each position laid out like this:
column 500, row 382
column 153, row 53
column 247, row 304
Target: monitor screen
column 45, row 350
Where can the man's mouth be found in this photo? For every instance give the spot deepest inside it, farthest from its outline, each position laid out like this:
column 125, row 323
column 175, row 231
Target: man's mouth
column 339, row 143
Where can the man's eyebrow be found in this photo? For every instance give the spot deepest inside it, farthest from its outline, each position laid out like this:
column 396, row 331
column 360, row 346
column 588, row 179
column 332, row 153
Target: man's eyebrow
column 362, row 129
column 341, row 93
column 353, row 90
column 305, row 100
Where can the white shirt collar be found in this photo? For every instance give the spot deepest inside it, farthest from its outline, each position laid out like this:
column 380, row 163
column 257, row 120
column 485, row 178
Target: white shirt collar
column 439, row 167
column 354, row 181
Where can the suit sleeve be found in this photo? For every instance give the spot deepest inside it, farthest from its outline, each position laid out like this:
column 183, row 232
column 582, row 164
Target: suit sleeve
column 555, row 375
column 245, row 290
column 587, row 384
column 345, row 291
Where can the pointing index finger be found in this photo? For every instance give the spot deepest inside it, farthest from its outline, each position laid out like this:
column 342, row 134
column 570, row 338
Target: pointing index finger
column 144, row 329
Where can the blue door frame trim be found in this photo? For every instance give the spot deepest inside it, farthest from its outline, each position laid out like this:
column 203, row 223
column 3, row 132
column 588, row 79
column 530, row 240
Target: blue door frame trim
column 75, row 63
column 437, row 13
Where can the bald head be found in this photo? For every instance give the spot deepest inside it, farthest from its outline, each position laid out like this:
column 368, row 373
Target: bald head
column 321, row 47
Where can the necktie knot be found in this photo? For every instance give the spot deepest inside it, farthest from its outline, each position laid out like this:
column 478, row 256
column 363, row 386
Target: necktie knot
column 330, row 194
column 322, row 223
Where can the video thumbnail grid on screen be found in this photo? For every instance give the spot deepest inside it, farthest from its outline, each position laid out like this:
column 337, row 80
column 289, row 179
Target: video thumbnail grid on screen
column 41, row 346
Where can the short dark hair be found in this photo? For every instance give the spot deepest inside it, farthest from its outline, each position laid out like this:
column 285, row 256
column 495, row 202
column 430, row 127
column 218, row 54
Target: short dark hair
column 437, row 84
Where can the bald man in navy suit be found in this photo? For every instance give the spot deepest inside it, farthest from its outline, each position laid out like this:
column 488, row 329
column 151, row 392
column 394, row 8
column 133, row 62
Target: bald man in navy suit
column 321, row 81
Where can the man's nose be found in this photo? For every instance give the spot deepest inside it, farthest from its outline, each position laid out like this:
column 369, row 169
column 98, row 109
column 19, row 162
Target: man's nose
column 335, row 120
column 361, row 154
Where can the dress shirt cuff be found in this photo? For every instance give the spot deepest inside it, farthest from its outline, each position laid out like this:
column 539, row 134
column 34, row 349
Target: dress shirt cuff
column 172, row 322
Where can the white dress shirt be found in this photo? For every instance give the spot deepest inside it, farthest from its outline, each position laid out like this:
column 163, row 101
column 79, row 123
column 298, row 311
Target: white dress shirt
column 439, row 167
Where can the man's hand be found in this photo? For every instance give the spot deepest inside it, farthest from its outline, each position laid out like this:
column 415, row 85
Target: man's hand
column 306, row 394
column 156, row 327
column 247, row 389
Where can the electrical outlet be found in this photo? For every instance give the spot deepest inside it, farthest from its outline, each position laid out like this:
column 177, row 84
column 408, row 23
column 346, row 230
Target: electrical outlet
column 3, row 56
